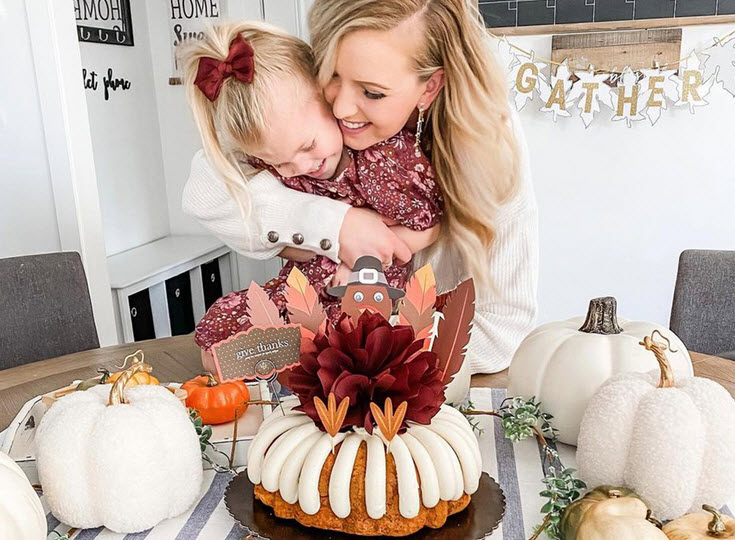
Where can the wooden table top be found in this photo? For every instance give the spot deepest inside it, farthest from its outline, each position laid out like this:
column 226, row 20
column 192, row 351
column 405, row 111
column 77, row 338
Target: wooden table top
column 178, row 359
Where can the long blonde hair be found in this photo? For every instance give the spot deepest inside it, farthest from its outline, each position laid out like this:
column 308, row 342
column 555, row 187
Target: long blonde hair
column 237, row 118
column 470, row 136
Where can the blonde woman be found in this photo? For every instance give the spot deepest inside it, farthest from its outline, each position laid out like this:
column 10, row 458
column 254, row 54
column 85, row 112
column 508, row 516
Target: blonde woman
column 424, row 65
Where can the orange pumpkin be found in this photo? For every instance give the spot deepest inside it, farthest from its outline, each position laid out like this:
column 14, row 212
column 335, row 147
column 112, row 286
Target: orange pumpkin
column 215, row 402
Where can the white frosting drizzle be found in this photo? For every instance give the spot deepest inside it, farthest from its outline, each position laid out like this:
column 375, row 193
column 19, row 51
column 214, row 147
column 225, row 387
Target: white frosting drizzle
column 288, row 484
column 265, row 437
column 465, row 431
column 341, row 478
column 289, row 452
column 280, row 452
column 452, row 435
column 444, row 460
column 427, row 471
column 408, row 483
column 311, row 471
column 375, row 478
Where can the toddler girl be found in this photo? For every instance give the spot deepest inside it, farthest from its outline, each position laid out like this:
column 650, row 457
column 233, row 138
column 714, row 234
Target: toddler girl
column 257, row 104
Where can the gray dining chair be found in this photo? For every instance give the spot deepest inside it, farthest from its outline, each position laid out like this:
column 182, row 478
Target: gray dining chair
column 703, row 310
column 45, row 309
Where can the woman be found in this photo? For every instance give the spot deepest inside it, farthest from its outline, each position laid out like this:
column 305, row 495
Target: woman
column 384, row 64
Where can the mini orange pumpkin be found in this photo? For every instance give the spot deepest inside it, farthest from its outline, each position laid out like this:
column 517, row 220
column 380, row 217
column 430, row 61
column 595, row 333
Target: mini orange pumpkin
column 215, row 402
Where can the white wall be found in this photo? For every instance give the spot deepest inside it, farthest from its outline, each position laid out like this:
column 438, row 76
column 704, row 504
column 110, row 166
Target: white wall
column 179, row 137
column 618, row 205
column 178, row 134
column 127, row 141
column 26, row 194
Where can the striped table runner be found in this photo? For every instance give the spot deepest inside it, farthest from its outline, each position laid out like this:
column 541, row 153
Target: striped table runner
column 517, row 467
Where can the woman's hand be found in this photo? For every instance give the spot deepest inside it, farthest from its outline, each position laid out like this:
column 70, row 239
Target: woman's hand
column 341, row 276
column 417, row 240
column 364, row 233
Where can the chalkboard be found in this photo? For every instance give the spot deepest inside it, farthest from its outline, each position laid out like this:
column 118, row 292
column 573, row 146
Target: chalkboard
column 520, row 13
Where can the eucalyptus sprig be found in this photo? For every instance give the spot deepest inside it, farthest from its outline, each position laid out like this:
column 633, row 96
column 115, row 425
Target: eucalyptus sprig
column 204, row 432
column 521, row 419
column 473, row 421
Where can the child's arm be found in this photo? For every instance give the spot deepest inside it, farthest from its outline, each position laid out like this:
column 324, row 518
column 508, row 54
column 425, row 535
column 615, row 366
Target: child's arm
column 296, row 254
column 417, row 240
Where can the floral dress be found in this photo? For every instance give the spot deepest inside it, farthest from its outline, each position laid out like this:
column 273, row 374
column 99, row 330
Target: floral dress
column 393, row 178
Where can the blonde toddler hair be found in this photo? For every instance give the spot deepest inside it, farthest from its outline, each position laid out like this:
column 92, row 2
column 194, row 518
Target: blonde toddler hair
column 469, row 134
column 237, row 119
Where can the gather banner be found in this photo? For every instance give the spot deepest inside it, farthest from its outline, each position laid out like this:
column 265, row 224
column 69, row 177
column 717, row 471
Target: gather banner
column 631, row 95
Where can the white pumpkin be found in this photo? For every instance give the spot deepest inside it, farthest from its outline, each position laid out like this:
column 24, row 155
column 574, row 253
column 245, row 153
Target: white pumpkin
column 21, row 514
column 672, row 443
column 563, row 363
column 126, row 462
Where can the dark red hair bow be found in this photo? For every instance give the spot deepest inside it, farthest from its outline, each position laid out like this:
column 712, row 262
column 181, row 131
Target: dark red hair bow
column 239, row 64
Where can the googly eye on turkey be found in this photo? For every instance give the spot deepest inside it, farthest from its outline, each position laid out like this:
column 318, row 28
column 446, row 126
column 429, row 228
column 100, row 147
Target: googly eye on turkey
column 378, row 296
column 358, row 296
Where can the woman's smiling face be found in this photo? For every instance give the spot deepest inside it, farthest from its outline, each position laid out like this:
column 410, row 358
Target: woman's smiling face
column 375, row 88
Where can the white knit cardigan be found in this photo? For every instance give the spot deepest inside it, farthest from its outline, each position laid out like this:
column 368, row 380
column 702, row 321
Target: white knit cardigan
column 503, row 316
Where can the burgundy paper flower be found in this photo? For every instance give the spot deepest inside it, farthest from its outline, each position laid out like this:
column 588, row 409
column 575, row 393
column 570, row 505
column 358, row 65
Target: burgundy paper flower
column 370, row 361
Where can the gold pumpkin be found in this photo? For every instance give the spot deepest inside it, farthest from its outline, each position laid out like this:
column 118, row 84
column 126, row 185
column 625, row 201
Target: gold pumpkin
column 609, row 513
column 140, row 377
column 705, row 526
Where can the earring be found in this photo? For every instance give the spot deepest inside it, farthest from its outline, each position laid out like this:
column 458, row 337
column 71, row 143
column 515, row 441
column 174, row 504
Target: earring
column 419, row 129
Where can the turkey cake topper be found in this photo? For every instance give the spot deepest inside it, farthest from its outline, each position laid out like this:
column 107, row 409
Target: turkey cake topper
column 367, row 289
column 361, row 360
column 383, row 367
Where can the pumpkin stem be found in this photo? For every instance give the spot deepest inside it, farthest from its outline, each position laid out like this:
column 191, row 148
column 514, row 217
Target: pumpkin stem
column 716, row 527
column 658, row 348
column 211, row 381
column 653, row 520
column 105, row 375
column 117, row 394
column 602, row 317
column 133, row 357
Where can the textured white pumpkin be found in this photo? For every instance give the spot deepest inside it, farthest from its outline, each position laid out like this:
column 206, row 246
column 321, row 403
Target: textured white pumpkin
column 21, row 514
column 673, row 445
column 126, row 466
column 563, row 366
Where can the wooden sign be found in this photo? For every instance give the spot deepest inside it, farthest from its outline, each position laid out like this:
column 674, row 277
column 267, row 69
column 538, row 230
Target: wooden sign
column 637, row 49
column 257, row 353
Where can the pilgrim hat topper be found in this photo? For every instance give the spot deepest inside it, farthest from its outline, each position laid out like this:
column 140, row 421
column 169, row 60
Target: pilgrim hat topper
column 367, row 289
